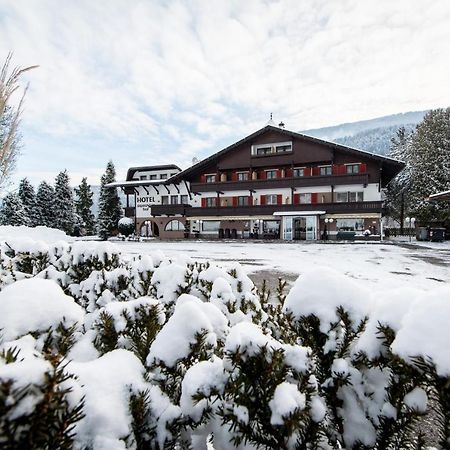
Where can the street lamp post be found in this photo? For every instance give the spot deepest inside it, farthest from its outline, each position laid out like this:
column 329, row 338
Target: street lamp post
column 410, row 221
column 325, row 231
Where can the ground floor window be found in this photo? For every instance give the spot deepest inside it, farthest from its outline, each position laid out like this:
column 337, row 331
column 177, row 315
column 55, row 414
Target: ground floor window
column 174, row 225
column 212, row 225
column 350, row 224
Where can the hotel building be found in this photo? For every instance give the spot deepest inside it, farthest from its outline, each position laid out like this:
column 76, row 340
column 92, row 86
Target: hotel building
column 273, row 184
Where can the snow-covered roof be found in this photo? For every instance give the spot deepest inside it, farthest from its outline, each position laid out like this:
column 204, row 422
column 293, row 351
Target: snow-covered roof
column 445, row 195
column 135, row 183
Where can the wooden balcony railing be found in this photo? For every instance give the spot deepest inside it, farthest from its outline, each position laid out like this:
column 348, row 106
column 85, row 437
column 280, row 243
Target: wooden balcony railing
column 291, row 182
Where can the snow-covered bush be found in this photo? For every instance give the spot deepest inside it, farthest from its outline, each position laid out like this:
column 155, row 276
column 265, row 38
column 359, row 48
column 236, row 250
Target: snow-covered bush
column 103, row 351
column 126, row 226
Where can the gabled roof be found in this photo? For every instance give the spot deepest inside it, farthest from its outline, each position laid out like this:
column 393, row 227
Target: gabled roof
column 132, row 170
column 397, row 165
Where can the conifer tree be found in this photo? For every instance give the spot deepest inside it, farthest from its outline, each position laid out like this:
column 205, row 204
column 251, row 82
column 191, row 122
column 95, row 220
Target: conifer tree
column 430, row 160
column 12, row 211
column 83, row 206
column 45, row 205
column 28, row 198
column 64, row 204
column 109, row 204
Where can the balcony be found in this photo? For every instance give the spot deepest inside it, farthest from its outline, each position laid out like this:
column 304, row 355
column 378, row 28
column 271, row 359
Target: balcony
column 291, row 182
column 170, row 210
column 267, row 210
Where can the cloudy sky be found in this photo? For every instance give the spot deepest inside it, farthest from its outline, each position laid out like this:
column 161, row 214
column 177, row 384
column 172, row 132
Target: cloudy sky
column 149, row 82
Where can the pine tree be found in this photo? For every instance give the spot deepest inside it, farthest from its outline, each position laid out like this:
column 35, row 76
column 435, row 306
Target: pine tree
column 397, row 192
column 45, row 205
column 110, row 210
column 28, row 198
column 430, row 161
column 83, row 205
column 64, row 204
column 12, row 211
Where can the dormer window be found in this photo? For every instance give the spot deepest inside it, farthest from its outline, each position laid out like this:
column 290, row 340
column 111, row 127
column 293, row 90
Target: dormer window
column 271, row 149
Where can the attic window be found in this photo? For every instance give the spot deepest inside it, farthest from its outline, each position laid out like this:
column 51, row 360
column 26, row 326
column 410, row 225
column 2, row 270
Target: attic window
column 271, row 149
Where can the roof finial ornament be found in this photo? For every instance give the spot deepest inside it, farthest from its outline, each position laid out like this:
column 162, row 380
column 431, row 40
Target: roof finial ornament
column 271, row 122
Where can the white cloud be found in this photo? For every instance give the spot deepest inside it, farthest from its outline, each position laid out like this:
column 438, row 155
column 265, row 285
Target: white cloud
column 195, row 75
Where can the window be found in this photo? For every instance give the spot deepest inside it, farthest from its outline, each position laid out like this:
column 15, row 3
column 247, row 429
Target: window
column 131, row 200
column 305, row 198
column 264, row 150
column 243, row 201
column 164, row 199
column 299, row 172
column 350, row 224
column 271, row 199
column 271, row 149
column 283, row 148
column 210, row 178
column 242, row 176
column 210, row 202
column 163, row 176
column 212, row 225
column 174, row 199
column 184, row 199
column 271, row 174
column 143, row 177
column 355, row 196
column 344, row 197
column 153, row 177
column 352, row 168
column 325, row 170
column 174, row 225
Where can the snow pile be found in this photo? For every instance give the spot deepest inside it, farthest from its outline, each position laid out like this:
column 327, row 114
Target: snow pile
column 36, row 305
column 39, row 233
column 151, row 352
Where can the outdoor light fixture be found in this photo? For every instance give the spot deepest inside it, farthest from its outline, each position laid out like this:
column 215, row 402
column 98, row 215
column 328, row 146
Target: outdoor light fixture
column 329, row 220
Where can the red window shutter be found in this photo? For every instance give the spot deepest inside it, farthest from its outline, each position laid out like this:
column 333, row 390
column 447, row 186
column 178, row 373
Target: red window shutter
column 203, row 202
column 235, row 201
column 307, row 171
column 335, row 169
column 296, row 199
column 203, row 179
column 314, row 197
column 234, row 176
column 262, row 175
column 279, row 173
column 289, row 172
column 263, row 199
column 362, row 168
column 279, row 199
column 315, row 171
column 342, row 169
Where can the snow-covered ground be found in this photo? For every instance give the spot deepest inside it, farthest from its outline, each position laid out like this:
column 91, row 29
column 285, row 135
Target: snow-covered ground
column 382, row 266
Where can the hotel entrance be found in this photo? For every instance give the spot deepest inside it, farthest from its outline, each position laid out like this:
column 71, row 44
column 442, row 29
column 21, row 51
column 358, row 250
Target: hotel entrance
column 304, row 228
column 299, row 227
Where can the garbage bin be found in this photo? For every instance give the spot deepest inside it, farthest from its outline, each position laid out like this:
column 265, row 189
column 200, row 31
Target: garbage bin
column 422, row 234
column 437, row 234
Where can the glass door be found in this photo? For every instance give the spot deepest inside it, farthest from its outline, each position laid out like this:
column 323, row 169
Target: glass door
column 311, row 228
column 287, row 228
